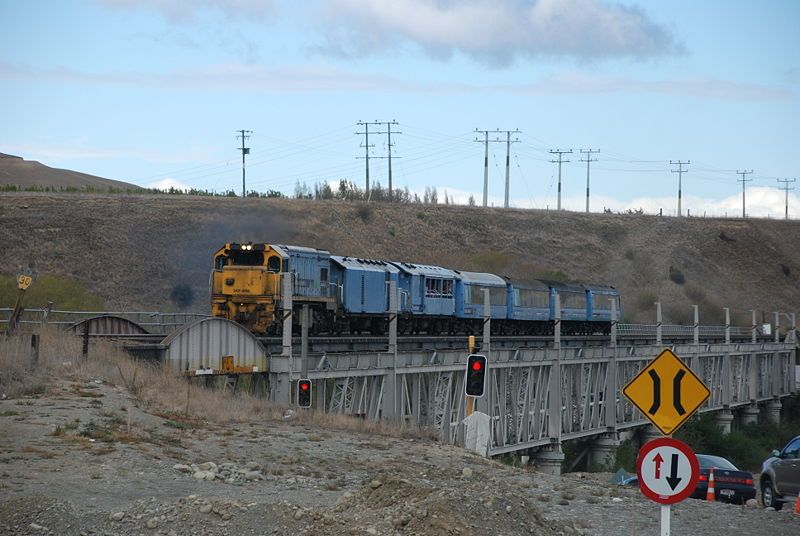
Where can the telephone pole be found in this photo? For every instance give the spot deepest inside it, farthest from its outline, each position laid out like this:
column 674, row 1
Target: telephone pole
column 786, row 189
column 485, row 141
column 588, row 160
column 680, row 171
column 744, row 180
column 559, row 152
column 244, row 135
column 367, row 147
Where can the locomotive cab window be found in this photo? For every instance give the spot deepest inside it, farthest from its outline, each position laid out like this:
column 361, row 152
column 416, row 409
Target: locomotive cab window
column 274, row 264
column 247, row 258
column 220, row 262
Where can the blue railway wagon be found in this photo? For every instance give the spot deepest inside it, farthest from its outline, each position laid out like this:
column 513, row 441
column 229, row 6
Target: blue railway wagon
column 529, row 301
column 311, row 269
column 469, row 295
column 361, row 284
column 426, row 290
column 599, row 301
column 573, row 301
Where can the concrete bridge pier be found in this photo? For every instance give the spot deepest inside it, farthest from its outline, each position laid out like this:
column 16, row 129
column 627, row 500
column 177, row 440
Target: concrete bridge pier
column 648, row 433
column 774, row 411
column 749, row 414
column 603, row 452
column 549, row 459
column 724, row 418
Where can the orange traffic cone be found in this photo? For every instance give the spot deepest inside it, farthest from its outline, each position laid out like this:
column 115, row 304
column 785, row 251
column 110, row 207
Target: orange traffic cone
column 711, row 494
column 797, row 505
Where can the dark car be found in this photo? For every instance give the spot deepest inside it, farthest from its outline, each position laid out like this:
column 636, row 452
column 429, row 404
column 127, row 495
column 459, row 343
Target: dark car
column 730, row 484
column 780, row 476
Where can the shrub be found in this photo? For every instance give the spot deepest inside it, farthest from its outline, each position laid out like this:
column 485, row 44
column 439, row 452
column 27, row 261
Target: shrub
column 676, row 276
column 182, row 295
column 64, row 292
column 364, row 212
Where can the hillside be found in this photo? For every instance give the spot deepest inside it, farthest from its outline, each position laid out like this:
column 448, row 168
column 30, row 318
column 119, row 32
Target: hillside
column 131, row 250
column 15, row 171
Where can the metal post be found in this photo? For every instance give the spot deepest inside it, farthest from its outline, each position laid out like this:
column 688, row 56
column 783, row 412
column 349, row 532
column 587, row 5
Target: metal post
column 484, row 404
column 486, row 170
column 390, row 404
column 754, row 328
column 658, row 324
column 304, row 321
column 614, row 321
column 777, row 326
column 727, row 325
column 665, row 512
column 283, row 393
column 557, row 323
column 696, row 324
column 508, row 163
column 34, row 351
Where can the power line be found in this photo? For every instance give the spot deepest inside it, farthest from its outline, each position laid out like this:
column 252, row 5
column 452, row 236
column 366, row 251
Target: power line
column 588, row 160
column 743, row 180
column 559, row 152
column 244, row 135
column 786, row 189
column 680, row 171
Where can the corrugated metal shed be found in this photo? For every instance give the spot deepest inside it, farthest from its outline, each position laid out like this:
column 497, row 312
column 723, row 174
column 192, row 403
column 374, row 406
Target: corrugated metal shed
column 108, row 325
column 204, row 343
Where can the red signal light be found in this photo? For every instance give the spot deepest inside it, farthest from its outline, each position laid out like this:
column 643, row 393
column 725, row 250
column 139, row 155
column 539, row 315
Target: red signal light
column 304, row 386
column 475, row 380
column 477, row 365
column 304, row 393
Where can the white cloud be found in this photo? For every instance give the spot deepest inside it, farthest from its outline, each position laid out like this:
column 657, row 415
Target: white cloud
column 497, row 31
column 166, row 184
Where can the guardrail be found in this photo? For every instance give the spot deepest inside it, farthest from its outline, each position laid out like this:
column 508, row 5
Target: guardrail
column 152, row 321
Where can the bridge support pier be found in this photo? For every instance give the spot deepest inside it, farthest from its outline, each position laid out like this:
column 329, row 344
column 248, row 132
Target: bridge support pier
column 749, row 414
column 603, row 453
column 549, row 459
column 774, row 411
column 724, row 418
column 648, row 433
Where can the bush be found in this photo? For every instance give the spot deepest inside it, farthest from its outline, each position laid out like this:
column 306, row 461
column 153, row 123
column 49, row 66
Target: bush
column 65, row 293
column 182, row 295
column 364, row 212
column 676, row 276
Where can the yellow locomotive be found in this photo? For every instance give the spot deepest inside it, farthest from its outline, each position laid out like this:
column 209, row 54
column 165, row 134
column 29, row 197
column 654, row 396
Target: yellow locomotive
column 246, row 282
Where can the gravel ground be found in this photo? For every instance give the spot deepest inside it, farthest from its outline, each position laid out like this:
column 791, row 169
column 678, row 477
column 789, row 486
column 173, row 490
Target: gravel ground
column 76, row 461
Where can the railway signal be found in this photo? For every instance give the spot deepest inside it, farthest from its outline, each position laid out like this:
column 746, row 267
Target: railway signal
column 304, row 393
column 476, row 375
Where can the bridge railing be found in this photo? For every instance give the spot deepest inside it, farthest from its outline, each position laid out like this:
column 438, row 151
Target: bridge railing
column 152, row 321
column 668, row 330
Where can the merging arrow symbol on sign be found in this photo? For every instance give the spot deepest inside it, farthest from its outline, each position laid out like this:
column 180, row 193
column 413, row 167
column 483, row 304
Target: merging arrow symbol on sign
column 673, row 479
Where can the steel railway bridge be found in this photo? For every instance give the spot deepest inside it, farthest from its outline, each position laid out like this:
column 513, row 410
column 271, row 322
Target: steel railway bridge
column 540, row 391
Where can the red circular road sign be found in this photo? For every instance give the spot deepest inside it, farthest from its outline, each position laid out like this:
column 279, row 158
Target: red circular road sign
column 668, row 470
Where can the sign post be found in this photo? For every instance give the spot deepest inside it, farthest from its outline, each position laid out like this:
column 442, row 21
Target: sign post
column 667, row 392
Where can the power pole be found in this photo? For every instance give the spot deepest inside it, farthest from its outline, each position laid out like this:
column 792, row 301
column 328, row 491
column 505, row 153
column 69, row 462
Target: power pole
column 508, row 158
column 588, row 160
column 786, row 189
column 680, row 171
column 485, row 141
column 244, row 135
column 389, row 147
column 366, row 147
column 744, row 180
column 559, row 152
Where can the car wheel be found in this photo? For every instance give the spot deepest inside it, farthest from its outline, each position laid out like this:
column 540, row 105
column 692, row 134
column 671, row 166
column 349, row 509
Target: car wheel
column 768, row 495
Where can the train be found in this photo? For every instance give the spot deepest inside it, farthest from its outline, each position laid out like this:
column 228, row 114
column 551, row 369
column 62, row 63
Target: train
column 350, row 295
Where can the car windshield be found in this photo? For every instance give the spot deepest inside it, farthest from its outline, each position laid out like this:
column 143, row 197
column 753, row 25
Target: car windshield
column 707, row 462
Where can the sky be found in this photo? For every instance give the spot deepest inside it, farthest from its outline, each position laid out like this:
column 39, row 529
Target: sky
column 152, row 92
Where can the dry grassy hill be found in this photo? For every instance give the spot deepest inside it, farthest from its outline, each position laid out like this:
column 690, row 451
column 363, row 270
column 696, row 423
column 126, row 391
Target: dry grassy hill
column 131, row 250
column 14, row 171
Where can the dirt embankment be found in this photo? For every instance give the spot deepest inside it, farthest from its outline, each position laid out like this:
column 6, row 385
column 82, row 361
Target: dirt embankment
column 133, row 249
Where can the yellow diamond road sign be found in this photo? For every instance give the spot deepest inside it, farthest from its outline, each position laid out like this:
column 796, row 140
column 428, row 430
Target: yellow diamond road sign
column 667, row 392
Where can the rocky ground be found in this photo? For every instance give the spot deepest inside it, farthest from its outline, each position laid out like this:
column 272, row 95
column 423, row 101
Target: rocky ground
column 84, row 460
